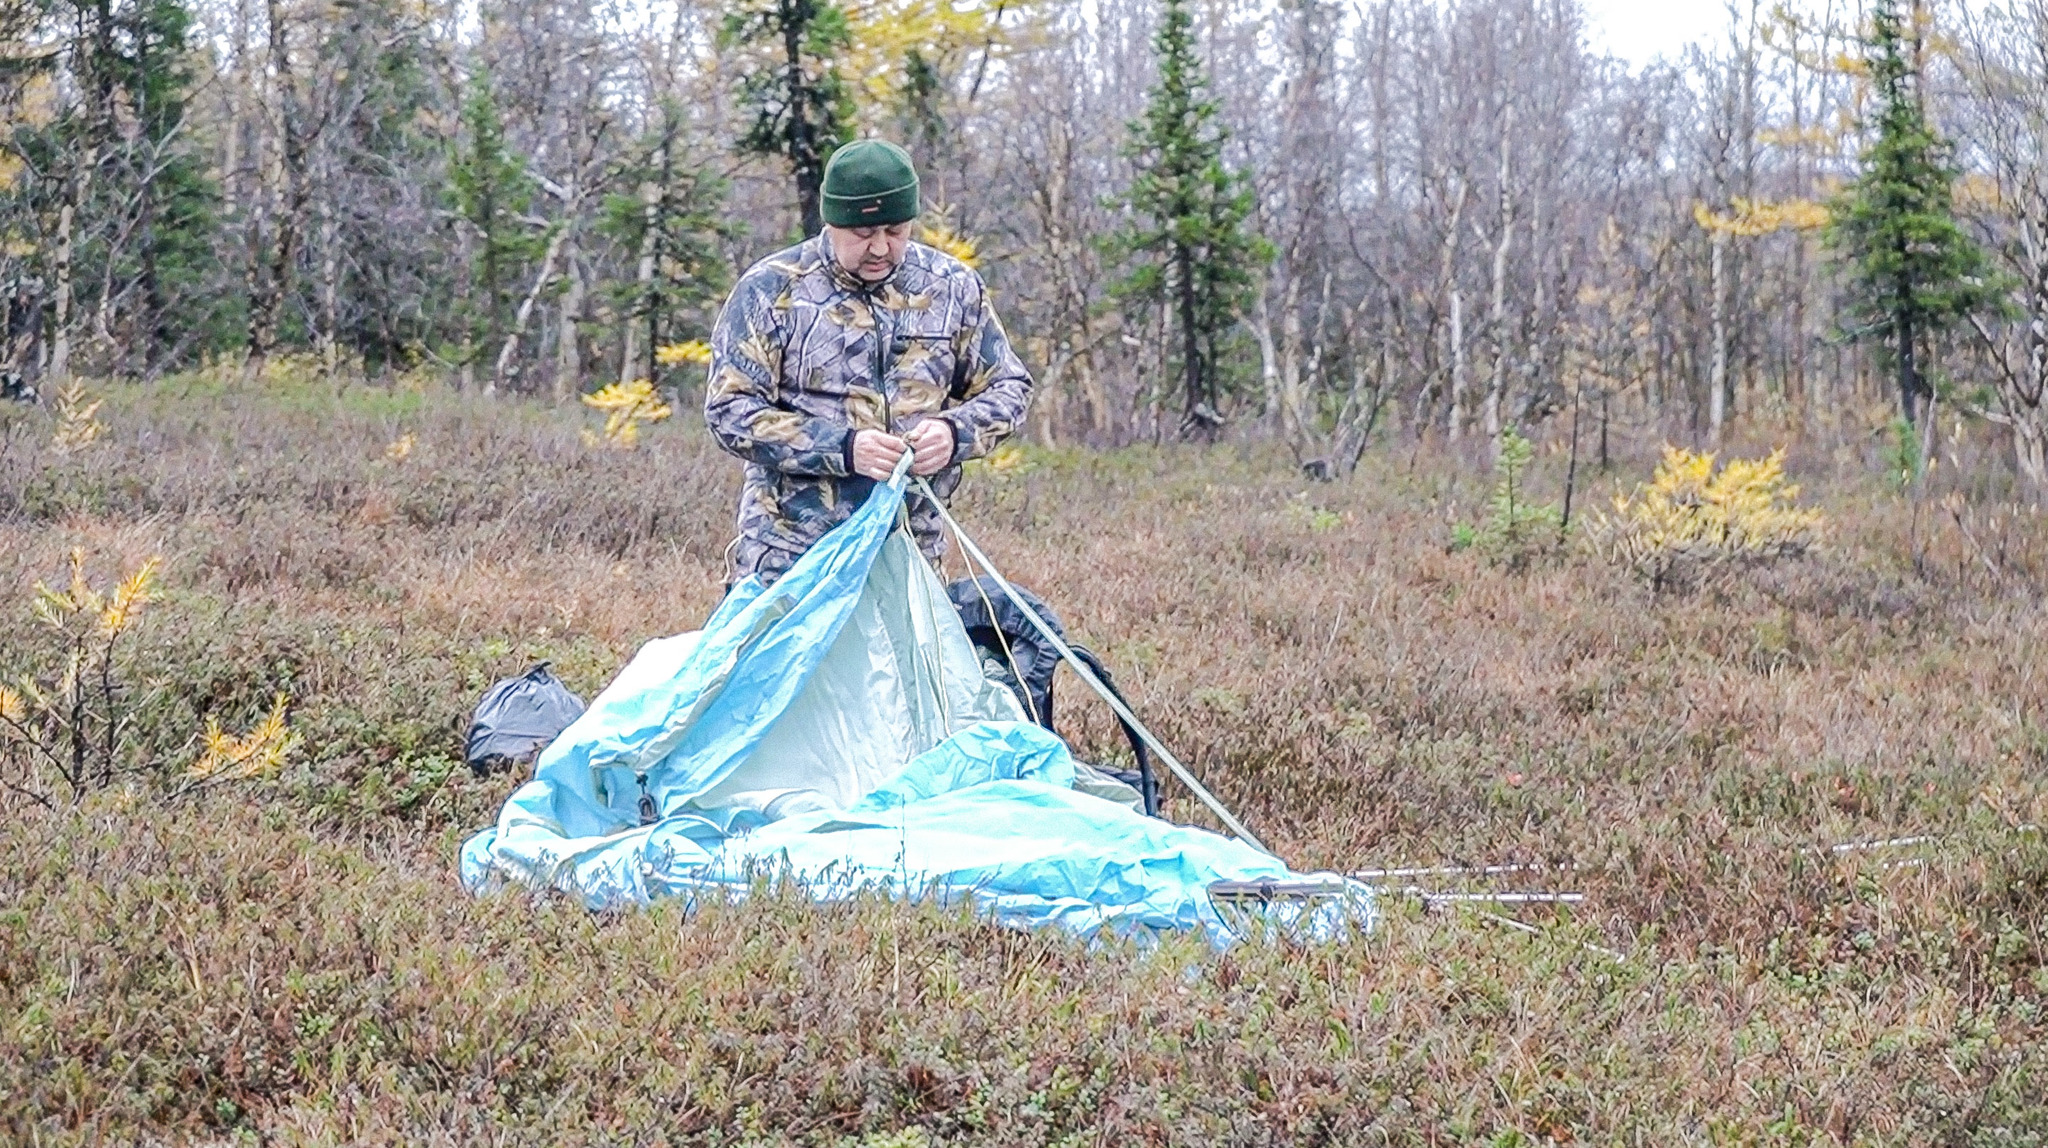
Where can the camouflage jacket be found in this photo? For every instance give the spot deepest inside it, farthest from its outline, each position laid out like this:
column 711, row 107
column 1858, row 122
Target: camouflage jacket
column 805, row 355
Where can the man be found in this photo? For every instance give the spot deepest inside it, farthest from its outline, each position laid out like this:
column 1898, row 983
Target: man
column 835, row 357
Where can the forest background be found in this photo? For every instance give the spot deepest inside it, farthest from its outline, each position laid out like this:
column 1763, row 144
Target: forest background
column 1459, row 217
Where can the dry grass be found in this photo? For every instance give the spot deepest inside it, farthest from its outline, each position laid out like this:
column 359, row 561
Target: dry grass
column 291, row 961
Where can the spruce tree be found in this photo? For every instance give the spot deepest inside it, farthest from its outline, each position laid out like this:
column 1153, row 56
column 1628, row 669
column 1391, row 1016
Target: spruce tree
column 492, row 193
column 1191, row 251
column 174, row 199
column 674, row 221
column 800, row 104
column 385, row 152
column 1913, row 271
column 118, row 157
column 921, row 116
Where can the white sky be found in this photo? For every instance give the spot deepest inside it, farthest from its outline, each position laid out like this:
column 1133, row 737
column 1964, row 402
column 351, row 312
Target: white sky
column 1641, row 30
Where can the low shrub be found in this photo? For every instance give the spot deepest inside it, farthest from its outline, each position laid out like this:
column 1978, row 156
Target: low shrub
column 1517, row 529
column 288, row 958
column 1692, row 519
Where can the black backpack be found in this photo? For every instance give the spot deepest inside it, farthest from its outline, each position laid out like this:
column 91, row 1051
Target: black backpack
column 517, row 719
column 1013, row 652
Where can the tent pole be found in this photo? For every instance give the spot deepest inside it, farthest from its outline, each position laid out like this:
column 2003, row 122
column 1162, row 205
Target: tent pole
column 1081, row 668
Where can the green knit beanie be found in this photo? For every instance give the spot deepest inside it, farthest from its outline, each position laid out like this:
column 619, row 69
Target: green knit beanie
column 869, row 183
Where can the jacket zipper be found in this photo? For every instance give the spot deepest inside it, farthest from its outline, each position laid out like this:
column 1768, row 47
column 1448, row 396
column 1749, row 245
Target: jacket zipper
column 882, row 340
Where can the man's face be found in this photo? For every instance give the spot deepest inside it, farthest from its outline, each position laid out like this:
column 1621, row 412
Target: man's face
column 870, row 254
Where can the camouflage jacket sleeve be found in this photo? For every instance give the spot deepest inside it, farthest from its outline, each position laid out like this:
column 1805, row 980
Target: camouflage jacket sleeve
column 992, row 389
column 740, row 404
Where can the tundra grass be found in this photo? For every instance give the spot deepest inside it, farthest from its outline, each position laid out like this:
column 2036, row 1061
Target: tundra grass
column 288, row 959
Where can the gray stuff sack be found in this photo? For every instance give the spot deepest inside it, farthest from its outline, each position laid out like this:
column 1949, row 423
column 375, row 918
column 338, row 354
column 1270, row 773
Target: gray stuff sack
column 517, row 719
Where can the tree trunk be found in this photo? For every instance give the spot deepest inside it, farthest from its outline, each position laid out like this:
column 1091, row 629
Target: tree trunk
column 155, row 308
column 1447, row 278
column 103, row 310
column 1293, row 370
column 569, row 339
column 657, row 224
column 60, row 334
column 1048, row 398
column 1191, row 341
column 629, row 354
column 1496, row 388
column 1101, row 418
column 804, row 159
column 1717, row 381
column 1280, row 365
column 465, row 304
column 232, row 185
column 275, row 285
column 1456, row 426
column 2029, row 400
column 330, row 290
column 1162, row 341
column 1269, row 357
column 1909, row 372
column 2030, row 449
column 1803, row 384
column 502, row 372
column 492, row 301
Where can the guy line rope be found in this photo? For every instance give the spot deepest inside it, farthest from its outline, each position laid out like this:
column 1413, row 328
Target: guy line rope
column 976, row 557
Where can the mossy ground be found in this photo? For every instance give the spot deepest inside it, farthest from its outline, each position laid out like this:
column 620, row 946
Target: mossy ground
column 290, row 960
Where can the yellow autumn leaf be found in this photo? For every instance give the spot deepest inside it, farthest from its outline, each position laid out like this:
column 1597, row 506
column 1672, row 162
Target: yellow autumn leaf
column 1753, row 217
column 694, row 351
column 942, row 237
column 55, row 606
column 78, row 422
column 260, row 752
column 135, row 591
column 1690, row 512
column 942, row 35
column 627, row 406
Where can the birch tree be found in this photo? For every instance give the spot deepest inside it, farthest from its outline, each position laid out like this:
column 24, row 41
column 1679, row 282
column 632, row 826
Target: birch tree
column 2005, row 68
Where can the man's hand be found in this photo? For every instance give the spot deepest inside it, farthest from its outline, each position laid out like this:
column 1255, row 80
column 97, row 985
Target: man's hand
column 932, row 439
column 875, row 454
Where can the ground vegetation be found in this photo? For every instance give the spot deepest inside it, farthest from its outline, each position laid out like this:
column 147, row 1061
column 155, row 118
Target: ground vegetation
column 347, row 352
column 253, row 933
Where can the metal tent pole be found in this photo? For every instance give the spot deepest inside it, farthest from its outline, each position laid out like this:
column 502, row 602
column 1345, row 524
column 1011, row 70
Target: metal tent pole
column 1081, row 668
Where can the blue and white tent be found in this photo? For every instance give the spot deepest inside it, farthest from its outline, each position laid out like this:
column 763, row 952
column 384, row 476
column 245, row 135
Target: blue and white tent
column 836, row 729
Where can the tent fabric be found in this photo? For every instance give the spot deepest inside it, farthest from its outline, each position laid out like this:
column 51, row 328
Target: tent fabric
column 836, row 729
